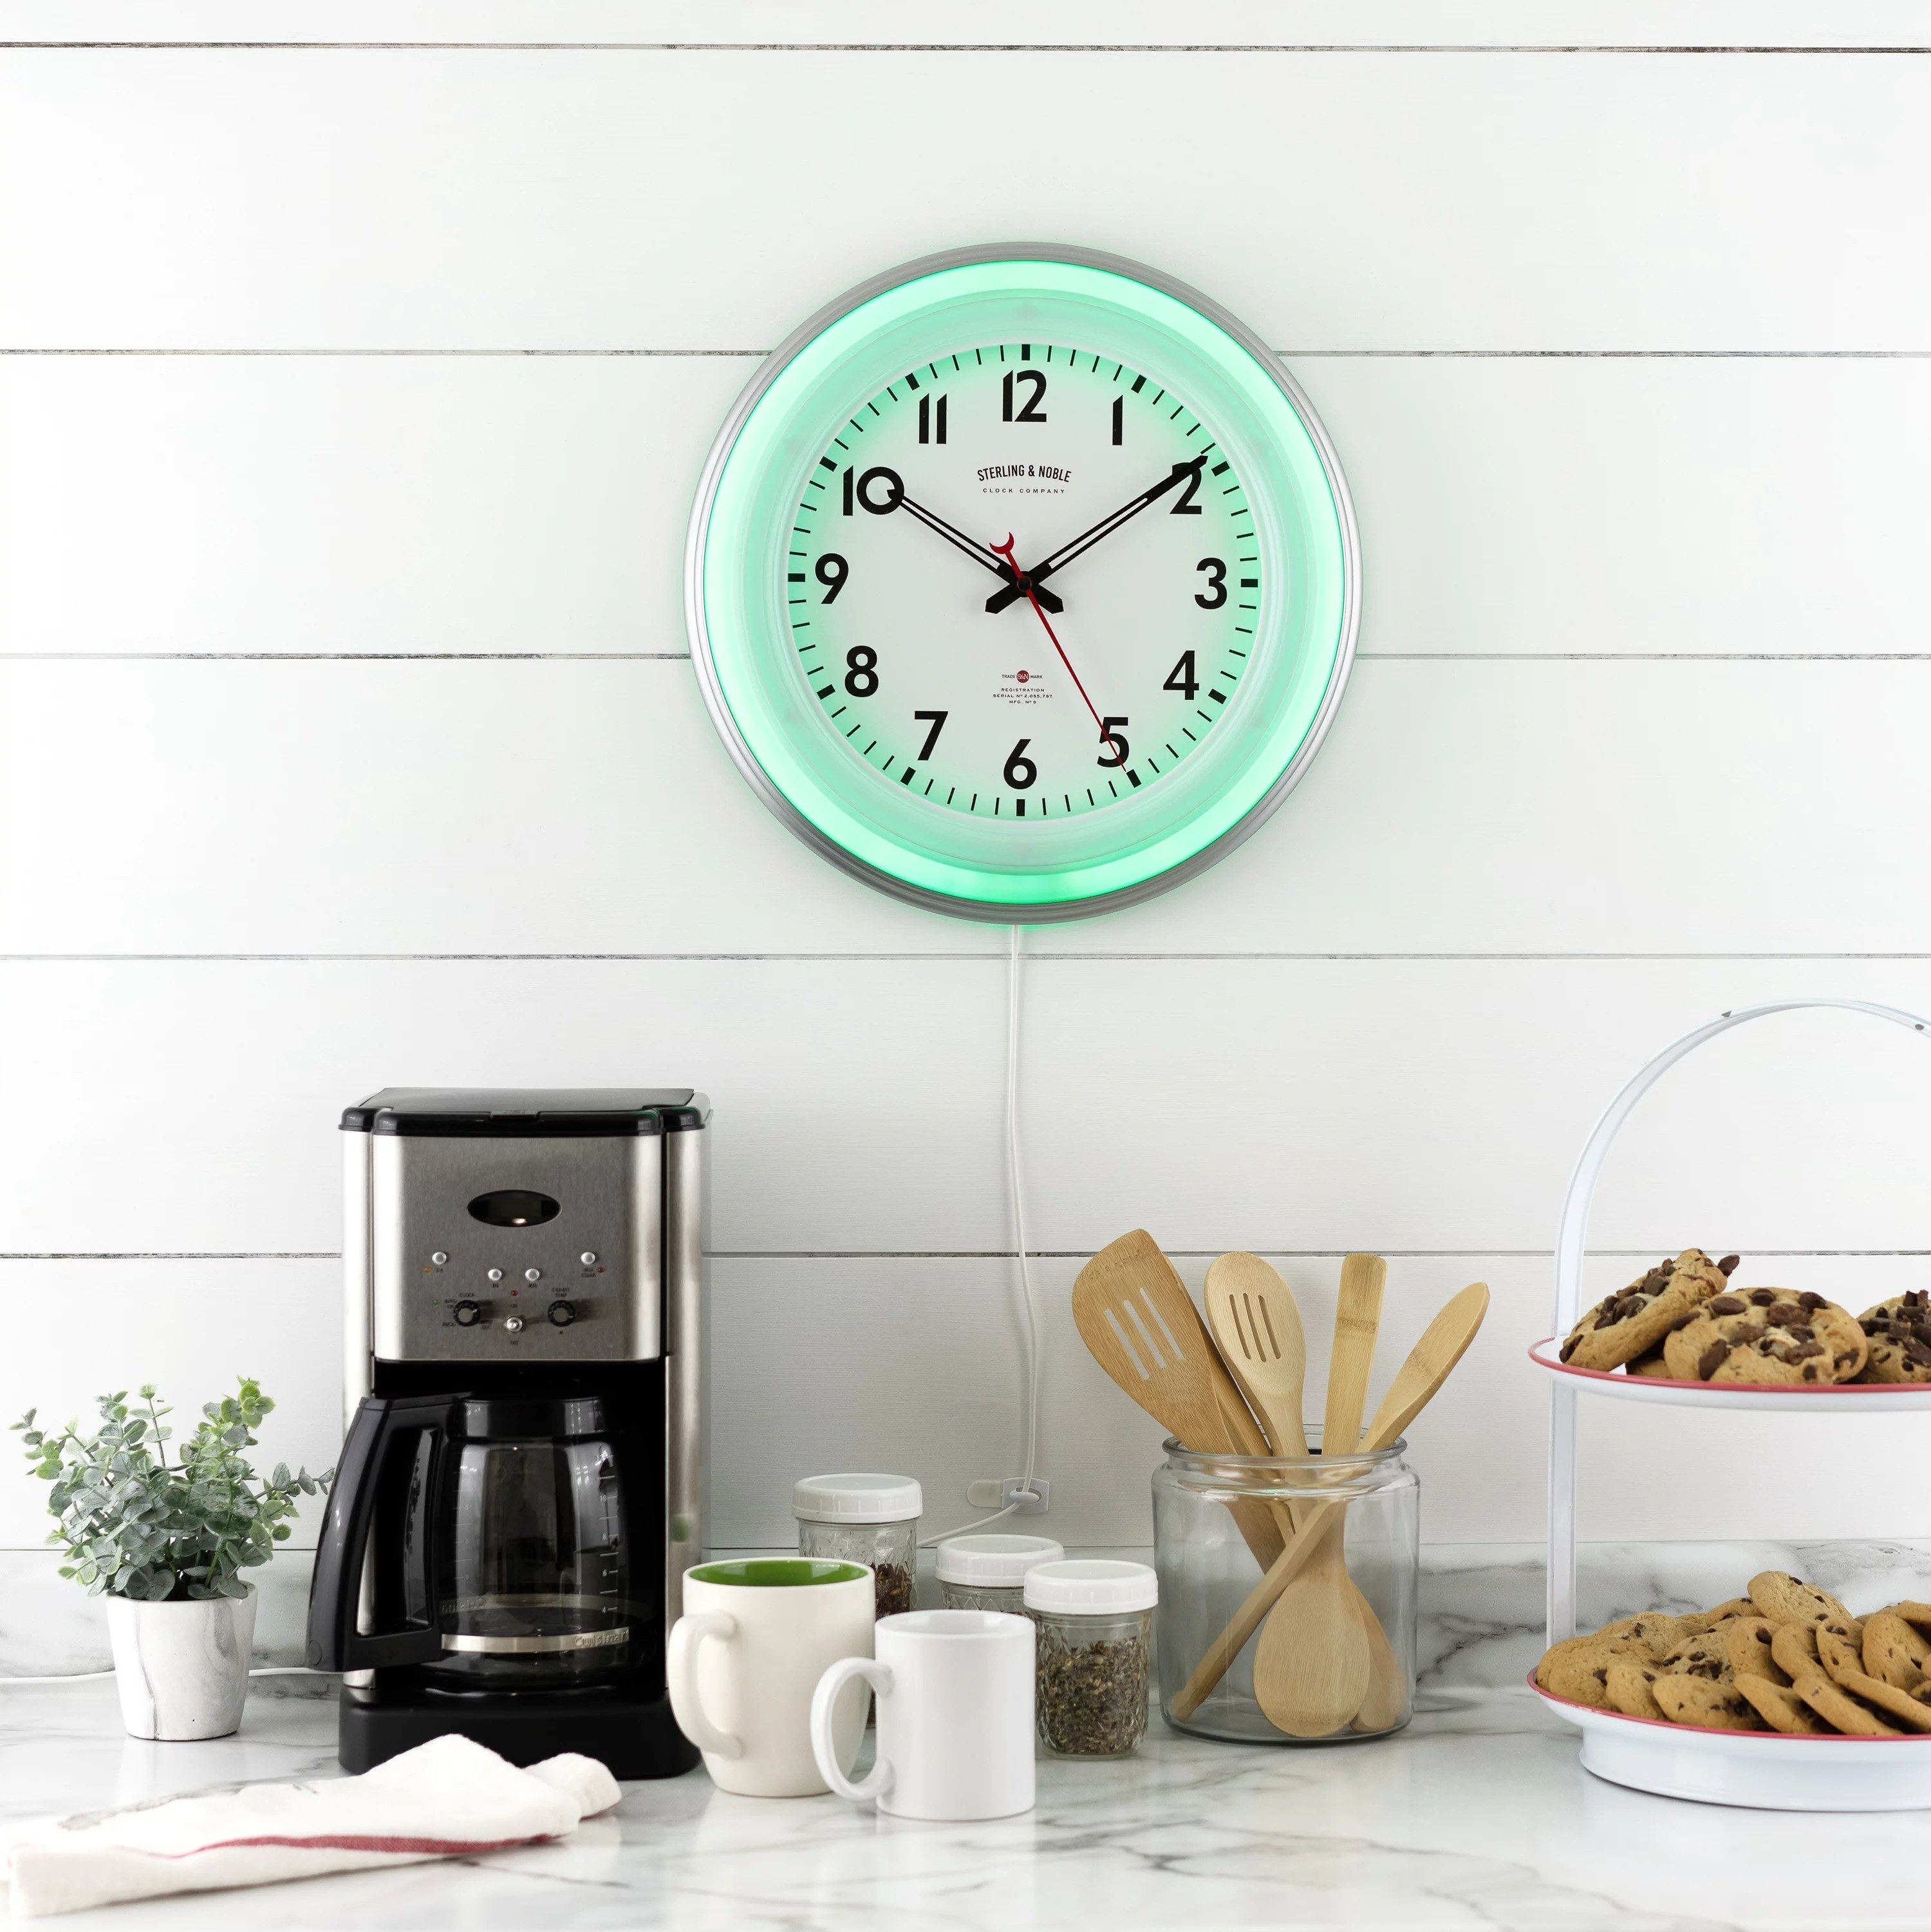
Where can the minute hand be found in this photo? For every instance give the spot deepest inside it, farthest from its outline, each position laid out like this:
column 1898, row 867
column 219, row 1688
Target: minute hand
column 1085, row 541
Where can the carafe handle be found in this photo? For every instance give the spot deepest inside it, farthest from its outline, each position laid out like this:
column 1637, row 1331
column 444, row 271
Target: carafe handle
column 335, row 1643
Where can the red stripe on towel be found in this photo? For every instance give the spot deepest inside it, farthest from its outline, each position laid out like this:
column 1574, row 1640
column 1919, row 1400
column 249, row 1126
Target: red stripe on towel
column 347, row 1842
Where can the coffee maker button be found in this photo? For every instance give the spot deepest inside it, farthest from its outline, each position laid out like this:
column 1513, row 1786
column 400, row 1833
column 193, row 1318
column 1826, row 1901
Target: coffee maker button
column 533, row 1274
column 588, row 1257
column 563, row 1313
column 468, row 1314
column 495, row 1274
column 513, row 1324
column 439, row 1259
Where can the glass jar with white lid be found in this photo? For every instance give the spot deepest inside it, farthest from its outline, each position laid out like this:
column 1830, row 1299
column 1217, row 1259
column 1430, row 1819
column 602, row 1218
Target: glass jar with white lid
column 1094, row 1655
column 988, row 1573
column 863, row 1516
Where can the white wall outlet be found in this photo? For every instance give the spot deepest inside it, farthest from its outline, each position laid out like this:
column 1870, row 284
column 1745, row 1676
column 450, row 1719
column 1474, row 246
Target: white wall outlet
column 1012, row 1494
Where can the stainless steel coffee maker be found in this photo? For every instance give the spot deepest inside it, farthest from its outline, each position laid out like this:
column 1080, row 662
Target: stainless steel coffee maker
column 521, row 1489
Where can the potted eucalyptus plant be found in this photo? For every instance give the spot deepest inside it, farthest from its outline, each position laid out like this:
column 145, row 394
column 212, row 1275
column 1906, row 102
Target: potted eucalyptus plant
column 166, row 1543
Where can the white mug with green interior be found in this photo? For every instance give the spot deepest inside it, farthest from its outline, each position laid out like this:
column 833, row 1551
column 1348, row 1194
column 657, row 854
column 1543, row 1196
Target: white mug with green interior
column 757, row 1634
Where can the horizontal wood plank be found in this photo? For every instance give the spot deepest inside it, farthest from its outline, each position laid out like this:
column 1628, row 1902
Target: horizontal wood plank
column 191, row 1107
column 443, row 199
column 915, row 1366
column 350, row 505
column 1458, row 806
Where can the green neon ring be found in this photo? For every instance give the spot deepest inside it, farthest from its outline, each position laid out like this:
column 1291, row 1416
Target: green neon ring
column 744, row 509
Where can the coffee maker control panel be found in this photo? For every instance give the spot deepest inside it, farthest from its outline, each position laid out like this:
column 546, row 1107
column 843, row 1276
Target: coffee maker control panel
column 516, row 1237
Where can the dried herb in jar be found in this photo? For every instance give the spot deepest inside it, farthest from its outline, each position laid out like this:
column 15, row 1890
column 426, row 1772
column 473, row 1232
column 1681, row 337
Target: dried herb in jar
column 892, row 1583
column 1092, row 1696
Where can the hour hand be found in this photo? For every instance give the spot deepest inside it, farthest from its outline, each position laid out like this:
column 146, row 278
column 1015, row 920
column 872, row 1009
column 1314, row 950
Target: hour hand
column 1182, row 472
column 894, row 498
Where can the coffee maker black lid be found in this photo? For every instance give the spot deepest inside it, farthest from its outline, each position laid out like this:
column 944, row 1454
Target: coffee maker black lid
column 528, row 1113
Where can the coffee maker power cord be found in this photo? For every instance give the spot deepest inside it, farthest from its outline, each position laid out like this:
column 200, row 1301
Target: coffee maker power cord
column 1012, row 1182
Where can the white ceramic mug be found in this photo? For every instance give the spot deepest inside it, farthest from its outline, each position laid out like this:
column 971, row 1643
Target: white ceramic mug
column 954, row 1692
column 756, row 1636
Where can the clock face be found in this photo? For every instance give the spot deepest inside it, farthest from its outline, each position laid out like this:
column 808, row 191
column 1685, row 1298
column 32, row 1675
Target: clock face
column 1022, row 584
column 941, row 666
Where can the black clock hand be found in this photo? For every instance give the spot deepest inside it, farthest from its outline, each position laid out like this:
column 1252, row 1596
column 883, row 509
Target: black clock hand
column 896, row 498
column 1085, row 541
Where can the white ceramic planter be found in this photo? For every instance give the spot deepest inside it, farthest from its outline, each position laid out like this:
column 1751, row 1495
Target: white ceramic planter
column 182, row 1668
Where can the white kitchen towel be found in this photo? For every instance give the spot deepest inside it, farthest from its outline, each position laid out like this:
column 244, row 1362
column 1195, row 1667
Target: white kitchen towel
column 447, row 1798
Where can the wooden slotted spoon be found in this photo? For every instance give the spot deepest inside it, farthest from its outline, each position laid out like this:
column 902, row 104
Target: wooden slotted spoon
column 1429, row 1364
column 1312, row 1670
column 1254, row 1317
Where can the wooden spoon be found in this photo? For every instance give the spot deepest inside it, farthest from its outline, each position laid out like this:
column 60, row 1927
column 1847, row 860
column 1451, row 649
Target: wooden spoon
column 1429, row 1364
column 1312, row 1672
column 1252, row 1314
column 1135, row 1315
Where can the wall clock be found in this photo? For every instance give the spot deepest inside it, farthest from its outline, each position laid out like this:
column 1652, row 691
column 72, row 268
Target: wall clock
column 1022, row 582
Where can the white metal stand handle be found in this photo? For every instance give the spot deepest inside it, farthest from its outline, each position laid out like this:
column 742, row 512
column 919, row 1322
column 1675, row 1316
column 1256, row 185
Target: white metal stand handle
column 680, row 1671
column 824, row 1747
column 1568, row 1246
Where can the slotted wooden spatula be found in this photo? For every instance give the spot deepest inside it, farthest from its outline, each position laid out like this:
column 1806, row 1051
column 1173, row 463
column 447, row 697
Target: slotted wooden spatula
column 1133, row 1313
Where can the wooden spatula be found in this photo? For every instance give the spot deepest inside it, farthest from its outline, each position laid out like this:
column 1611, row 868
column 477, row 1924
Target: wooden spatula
column 1312, row 1670
column 1133, row 1313
column 1428, row 1366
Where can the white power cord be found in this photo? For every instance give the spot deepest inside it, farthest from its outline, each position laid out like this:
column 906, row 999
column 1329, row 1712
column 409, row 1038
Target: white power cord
column 1026, row 1493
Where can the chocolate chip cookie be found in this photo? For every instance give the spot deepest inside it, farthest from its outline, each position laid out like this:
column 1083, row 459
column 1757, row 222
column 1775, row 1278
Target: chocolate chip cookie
column 1780, row 1707
column 1711, row 1704
column 1899, row 1335
column 1633, row 1321
column 1840, row 1710
column 1747, row 1644
column 1766, row 1335
column 1785, row 1599
column 1893, row 1651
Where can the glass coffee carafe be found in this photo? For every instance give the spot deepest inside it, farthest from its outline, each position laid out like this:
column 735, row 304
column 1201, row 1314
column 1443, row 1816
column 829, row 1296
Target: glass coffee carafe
column 535, row 1573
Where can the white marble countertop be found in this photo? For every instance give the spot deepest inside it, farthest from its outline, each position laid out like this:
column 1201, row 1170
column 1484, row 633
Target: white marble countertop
column 1477, row 1816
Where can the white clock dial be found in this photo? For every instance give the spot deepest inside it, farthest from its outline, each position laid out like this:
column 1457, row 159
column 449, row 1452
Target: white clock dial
column 1085, row 676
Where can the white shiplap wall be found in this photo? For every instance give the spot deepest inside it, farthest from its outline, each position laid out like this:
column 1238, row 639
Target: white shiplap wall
column 352, row 398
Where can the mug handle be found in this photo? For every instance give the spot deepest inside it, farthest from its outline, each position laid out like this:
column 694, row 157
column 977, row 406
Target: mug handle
column 680, row 1671
column 878, row 1780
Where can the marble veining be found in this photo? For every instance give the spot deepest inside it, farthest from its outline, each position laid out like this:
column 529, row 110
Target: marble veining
column 1478, row 1815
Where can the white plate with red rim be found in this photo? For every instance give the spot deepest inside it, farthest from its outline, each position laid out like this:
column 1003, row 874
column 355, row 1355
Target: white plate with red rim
column 1768, row 1770
column 1849, row 1398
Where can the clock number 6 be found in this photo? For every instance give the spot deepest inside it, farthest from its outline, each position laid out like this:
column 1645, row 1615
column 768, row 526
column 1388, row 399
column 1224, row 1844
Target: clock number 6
column 1020, row 772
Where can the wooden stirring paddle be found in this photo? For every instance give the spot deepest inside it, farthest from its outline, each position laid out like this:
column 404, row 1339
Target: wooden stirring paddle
column 1429, row 1364
column 1311, row 1669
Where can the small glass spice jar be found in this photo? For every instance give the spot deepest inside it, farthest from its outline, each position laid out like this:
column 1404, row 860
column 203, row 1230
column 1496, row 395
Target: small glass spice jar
column 867, row 1518
column 988, row 1573
column 1095, row 1621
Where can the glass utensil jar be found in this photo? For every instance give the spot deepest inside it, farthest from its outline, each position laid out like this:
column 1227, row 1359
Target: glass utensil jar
column 1095, row 1654
column 988, row 1573
column 1219, row 1519
column 864, row 1518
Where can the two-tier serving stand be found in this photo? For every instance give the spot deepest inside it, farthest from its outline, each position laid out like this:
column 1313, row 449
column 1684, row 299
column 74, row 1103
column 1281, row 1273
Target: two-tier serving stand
column 1771, row 1769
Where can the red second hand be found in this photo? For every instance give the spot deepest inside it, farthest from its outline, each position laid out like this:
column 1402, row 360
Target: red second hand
column 1005, row 550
